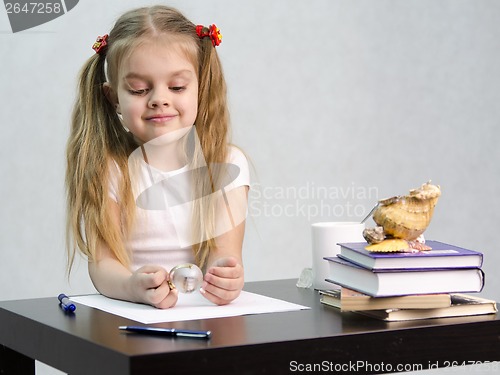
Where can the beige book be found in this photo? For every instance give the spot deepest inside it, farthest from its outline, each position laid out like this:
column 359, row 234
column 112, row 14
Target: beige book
column 350, row 300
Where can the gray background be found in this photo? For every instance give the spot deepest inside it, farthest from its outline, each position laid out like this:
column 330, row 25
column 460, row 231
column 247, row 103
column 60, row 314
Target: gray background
column 361, row 99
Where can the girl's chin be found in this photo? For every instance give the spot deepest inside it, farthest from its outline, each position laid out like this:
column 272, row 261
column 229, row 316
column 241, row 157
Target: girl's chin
column 167, row 136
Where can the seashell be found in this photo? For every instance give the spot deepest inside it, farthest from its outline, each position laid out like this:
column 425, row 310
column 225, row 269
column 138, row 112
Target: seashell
column 407, row 217
column 419, row 246
column 391, row 245
column 374, row 235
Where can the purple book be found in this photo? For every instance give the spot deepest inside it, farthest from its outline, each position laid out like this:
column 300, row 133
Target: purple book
column 442, row 255
column 378, row 283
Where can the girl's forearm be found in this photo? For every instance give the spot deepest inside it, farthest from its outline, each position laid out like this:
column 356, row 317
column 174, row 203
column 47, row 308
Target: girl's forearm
column 111, row 279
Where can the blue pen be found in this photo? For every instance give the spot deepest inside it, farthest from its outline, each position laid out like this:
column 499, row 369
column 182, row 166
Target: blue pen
column 65, row 303
column 172, row 332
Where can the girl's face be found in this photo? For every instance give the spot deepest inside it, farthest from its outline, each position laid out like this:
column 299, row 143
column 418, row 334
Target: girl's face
column 157, row 91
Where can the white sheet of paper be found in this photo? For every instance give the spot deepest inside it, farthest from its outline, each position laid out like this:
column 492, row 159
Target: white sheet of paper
column 189, row 307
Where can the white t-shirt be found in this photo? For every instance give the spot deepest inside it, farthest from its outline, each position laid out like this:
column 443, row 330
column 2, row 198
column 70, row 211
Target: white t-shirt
column 161, row 234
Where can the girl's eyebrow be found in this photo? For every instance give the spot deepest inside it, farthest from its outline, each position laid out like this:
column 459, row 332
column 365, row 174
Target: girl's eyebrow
column 180, row 73
column 133, row 75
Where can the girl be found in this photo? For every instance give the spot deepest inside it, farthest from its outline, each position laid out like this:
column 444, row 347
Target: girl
column 148, row 190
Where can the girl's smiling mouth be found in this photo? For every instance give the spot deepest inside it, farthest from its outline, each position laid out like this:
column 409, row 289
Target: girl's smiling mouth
column 160, row 118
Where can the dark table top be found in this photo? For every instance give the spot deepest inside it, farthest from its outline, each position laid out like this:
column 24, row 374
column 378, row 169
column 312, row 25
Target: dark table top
column 89, row 341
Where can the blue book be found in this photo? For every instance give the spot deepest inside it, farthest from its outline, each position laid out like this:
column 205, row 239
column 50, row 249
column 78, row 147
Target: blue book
column 387, row 283
column 442, row 255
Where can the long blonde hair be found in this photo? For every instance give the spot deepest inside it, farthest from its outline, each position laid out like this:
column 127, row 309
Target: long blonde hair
column 97, row 137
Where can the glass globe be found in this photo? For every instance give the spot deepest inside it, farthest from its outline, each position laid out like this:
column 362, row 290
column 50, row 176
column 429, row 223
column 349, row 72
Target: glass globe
column 187, row 277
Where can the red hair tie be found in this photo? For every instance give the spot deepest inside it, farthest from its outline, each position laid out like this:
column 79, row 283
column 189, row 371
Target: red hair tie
column 100, row 43
column 212, row 32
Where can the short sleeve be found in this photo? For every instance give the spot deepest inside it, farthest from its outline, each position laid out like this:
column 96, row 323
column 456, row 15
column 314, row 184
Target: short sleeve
column 238, row 158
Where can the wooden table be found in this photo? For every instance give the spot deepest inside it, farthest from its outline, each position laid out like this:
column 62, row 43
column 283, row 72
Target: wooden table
column 321, row 338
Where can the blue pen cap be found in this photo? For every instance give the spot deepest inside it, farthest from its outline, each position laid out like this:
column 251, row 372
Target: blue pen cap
column 66, row 303
column 70, row 307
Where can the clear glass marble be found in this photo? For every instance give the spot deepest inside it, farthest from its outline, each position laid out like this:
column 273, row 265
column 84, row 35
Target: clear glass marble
column 187, row 277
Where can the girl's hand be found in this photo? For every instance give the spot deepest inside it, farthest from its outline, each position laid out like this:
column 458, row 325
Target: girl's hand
column 223, row 281
column 149, row 285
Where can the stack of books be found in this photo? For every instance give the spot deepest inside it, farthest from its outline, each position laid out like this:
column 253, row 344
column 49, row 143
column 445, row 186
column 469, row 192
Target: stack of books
column 406, row 286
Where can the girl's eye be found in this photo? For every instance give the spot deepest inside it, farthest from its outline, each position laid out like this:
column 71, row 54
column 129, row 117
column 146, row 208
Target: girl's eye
column 139, row 92
column 177, row 88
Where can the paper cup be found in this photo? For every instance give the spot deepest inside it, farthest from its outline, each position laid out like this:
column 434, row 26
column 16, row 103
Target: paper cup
column 325, row 237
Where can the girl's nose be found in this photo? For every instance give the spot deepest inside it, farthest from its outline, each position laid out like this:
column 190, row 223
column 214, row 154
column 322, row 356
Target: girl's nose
column 159, row 98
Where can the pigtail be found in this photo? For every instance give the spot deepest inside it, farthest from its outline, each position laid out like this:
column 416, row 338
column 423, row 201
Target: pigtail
column 213, row 115
column 96, row 138
column 212, row 125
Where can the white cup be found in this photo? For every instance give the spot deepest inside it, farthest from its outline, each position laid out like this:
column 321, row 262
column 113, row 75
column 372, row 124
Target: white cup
column 325, row 237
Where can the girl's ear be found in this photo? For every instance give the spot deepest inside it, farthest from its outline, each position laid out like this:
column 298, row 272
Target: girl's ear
column 110, row 94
